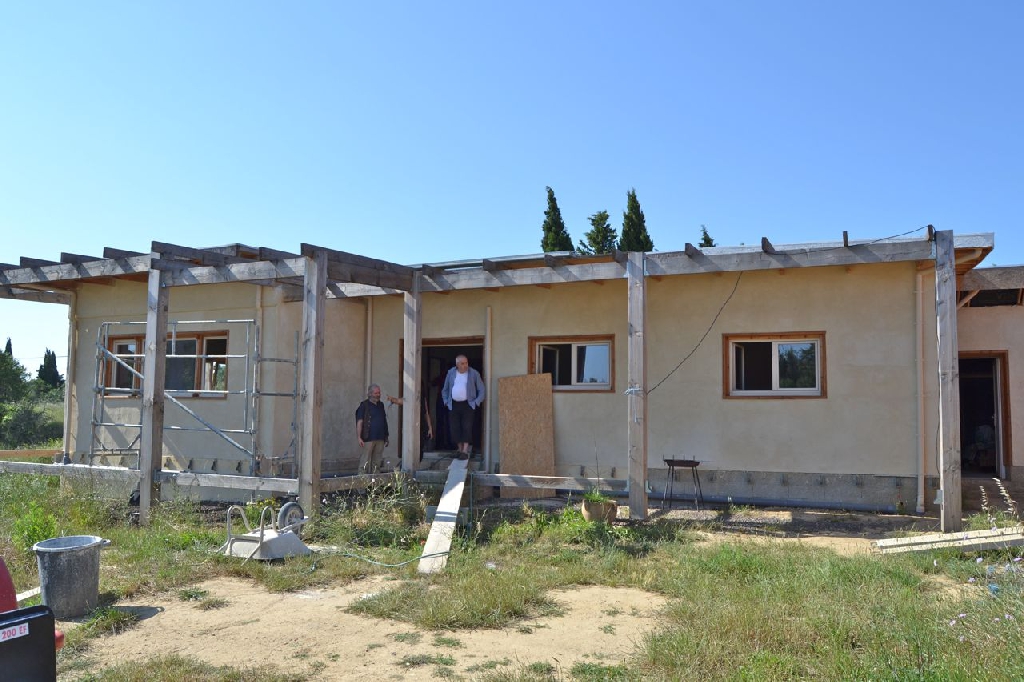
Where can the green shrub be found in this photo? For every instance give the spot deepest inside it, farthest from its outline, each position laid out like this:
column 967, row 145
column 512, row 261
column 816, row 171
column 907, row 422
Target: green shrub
column 34, row 525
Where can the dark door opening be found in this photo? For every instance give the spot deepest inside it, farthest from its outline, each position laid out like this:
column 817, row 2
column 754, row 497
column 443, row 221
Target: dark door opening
column 980, row 420
column 438, row 356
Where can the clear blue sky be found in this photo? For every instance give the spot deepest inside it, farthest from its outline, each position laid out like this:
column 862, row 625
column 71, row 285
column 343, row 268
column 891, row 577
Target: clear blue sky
column 420, row 132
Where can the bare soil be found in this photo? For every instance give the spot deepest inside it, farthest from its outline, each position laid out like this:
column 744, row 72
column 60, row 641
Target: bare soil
column 310, row 632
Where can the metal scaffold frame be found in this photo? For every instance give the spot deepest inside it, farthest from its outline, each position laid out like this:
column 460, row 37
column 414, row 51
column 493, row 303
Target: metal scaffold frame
column 107, row 361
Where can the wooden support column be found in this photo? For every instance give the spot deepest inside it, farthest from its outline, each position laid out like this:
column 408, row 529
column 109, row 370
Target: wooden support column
column 949, row 382
column 411, row 412
column 637, row 382
column 70, row 390
column 311, row 392
column 153, row 370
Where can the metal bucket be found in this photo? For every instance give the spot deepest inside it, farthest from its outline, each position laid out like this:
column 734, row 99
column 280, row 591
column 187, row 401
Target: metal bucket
column 69, row 574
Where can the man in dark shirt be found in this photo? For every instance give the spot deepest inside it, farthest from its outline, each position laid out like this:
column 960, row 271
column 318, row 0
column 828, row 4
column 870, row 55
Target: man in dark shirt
column 371, row 430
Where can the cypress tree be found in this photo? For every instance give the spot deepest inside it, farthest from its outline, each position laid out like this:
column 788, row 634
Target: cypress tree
column 7, row 349
column 705, row 238
column 600, row 238
column 555, row 236
column 634, row 229
column 48, row 373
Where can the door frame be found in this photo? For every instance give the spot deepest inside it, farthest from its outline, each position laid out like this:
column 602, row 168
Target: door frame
column 1001, row 392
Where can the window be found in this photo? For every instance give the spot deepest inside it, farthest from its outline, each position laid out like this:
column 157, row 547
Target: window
column 575, row 363
column 186, row 369
column 788, row 365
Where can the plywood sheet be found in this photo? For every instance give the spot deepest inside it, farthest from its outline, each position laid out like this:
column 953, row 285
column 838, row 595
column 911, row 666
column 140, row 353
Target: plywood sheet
column 526, row 429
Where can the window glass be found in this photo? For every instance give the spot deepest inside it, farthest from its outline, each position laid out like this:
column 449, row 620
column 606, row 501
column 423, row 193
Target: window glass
column 592, row 363
column 215, row 370
column 123, row 378
column 181, row 372
column 797, row 365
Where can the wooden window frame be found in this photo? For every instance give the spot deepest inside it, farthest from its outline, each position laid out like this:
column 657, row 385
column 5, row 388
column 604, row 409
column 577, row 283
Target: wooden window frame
column 198, row 390
column 775, row 393
column 536, row 341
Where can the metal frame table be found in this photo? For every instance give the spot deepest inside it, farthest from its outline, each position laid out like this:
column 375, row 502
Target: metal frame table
column 691, row 464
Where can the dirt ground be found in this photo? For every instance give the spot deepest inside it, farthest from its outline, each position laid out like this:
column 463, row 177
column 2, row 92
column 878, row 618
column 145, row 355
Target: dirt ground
column 310, row 631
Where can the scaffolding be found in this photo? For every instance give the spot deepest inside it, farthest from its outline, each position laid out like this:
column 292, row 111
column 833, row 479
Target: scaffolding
column 104, row 430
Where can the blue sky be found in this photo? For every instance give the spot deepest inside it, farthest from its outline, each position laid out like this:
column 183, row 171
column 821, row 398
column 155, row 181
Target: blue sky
column 420, row 132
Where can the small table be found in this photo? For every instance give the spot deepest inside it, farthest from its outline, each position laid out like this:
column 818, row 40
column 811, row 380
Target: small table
column 691, row 464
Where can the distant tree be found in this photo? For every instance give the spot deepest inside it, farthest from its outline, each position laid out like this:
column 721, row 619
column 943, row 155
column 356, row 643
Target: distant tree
column 555, row 236
column 7, row 349
column 13, row 379
column 705, row 238
column 48, row 373
column 600, row 238
column 634, row 229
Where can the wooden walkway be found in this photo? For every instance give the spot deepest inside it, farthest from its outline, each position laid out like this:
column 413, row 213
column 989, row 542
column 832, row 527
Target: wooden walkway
column 439, row 541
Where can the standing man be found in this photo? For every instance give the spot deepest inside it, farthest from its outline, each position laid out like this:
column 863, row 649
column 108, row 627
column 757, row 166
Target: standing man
column 372, row 430
column 462, row 393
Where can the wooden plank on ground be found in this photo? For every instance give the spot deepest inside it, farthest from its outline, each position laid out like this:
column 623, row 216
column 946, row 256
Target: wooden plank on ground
column 25, row 455
column 439, row 541
column 974, row 540
column 526, row 429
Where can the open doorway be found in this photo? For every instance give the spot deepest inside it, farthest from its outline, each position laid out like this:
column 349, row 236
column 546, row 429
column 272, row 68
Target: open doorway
column 982, row 414
column 437, row 357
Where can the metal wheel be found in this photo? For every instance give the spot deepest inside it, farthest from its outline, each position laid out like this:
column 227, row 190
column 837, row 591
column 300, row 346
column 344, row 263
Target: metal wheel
column 290, row 513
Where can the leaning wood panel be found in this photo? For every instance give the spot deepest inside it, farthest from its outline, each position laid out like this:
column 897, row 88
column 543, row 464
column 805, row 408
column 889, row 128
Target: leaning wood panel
column 526, row 429
column 25, row 455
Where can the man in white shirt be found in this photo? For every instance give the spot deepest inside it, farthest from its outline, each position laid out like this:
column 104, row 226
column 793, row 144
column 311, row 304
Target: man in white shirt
column 462, row 393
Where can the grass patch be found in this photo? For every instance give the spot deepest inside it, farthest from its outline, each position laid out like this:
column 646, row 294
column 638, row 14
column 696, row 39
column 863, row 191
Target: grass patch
column 174, row 668
column 736, row 610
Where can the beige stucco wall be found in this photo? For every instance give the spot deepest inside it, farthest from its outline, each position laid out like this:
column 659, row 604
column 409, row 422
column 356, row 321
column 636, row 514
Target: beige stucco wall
column 125, row 301
column 999, row 328
column 867, row 424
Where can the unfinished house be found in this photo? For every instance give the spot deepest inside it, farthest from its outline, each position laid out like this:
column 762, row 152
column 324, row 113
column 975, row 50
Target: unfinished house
column 813, row 374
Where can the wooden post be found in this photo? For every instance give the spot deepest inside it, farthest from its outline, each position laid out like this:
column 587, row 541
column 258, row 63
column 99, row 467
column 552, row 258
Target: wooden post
column 411, row 414
column 637, row 382
column 311, row 392
column 151, row 446
column 70, row 392
column 949, row 382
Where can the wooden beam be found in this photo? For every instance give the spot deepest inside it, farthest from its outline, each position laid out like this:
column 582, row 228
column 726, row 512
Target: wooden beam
column 81, row 471
column 636, row 425
column 110, row 252
column 766, row 246
column 619, row 257
column 311, row 392
column 553, row 261
column 77, row 258
column 347, row 272
column 949, row 382
column 17, row 293
column 263, row 272
column 692, row 251
column 187, row 479
column 968, row 297
column 430, row 270
column 677, row 263
column 71, row 376
column 344, row 257
column 549, row 482
column 62, row 272
column 36, row 262
column 411, row 412
column 846, row 239
column 196, row 256
column 987, row 279
column 489, row 265
column 151, row 443
column 273, row 254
